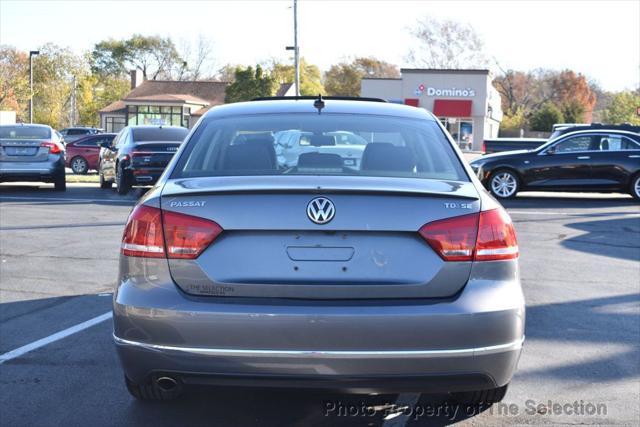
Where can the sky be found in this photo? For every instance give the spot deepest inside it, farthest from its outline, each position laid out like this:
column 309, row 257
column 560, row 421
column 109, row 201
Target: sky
column 600, row 39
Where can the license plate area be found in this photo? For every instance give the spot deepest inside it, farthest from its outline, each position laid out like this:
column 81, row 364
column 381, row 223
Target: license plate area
column 21, row 151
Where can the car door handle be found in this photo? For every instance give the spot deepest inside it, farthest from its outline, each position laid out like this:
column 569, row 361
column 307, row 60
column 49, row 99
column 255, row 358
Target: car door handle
column 583, row 157
column 634, row 156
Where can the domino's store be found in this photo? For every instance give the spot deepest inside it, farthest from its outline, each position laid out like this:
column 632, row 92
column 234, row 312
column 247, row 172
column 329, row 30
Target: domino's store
column 465, row 101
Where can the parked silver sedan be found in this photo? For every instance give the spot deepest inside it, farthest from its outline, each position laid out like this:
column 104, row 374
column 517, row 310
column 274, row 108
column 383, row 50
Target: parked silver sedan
column 396, row 274
column 32, row 153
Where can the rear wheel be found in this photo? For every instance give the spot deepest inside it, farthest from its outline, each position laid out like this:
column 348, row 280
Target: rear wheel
column 151, row 391
column 635, row 186
column 123, row 185
column 481, row 397
column 79, row 165
column 504, row 184
column 60, row 182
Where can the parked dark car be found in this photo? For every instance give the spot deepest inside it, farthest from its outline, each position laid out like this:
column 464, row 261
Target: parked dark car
column 587, row 160
column 75, row 133
column 84, row 154
column 564, row 128
column 138, row 155
column 32, row 153
column 496, row 145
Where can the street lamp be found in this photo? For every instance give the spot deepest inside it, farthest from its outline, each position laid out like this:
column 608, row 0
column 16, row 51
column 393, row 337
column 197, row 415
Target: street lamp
column 32, row 53
column 295, row 48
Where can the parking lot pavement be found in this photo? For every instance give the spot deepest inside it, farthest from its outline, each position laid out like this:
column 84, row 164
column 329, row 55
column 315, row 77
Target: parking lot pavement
column 580, row 267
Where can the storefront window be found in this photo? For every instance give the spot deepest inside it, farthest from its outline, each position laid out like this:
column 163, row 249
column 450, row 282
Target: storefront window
column 155, row 115
column 461, row 131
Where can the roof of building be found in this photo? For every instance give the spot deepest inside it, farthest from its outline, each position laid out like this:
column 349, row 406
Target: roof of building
column 204, row 92
column 443, row 71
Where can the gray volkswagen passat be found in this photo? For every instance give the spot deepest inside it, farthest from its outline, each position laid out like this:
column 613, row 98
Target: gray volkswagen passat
column 399, row 274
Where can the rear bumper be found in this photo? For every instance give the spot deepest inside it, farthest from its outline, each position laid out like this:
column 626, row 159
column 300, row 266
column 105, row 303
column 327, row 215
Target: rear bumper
column 470, row 342
column 31, row 171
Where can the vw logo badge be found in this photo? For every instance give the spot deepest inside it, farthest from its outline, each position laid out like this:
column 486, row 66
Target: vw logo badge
column 321, row 210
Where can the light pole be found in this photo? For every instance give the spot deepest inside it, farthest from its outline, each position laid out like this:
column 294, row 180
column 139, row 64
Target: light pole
column 295, row 46
column 32, row 53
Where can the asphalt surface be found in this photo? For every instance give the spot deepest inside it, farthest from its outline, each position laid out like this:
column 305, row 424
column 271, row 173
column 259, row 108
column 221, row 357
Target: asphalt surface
column 580, row 267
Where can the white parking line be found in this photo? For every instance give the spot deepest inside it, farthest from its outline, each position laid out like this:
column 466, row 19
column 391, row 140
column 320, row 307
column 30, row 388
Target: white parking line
column 404, row 405
column 55, row 337
column 61, row 199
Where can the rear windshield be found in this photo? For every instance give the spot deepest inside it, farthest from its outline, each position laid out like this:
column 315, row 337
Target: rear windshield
column 159, row 134
column 24, row 132
column 319, row 144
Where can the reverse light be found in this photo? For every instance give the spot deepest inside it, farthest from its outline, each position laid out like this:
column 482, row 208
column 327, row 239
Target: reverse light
column 484, row 236
column 53, row 147
column 153, row 233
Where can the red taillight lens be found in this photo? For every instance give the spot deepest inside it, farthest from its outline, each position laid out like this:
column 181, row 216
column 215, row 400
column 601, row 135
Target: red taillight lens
column 485, row 236
column 453, row 238
column 52, row 146
column 143, row 233
column 149, row 229
column 496, row 237
column 187, row 236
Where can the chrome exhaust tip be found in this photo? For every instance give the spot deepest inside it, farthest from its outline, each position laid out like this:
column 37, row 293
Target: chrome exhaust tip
column 166, row 384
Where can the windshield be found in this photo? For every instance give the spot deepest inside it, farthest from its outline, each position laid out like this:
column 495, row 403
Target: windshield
column 319, row 144
column 25, row 132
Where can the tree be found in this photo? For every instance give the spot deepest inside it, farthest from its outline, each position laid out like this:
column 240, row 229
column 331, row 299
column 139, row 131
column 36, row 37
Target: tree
column 14, row 81
column 310, row 79
column 250, row 84
column 198, row 60
column 446, row 44
column 344, row 79
column 155, row 56
column 543, row 119
column 623, row 108
column 572, row 92
column 573, row 111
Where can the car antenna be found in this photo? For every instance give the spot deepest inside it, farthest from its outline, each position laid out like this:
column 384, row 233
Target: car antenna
column 319, row 103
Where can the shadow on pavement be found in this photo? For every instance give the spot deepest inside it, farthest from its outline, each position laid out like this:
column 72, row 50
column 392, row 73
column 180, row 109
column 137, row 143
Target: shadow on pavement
column 613, row 237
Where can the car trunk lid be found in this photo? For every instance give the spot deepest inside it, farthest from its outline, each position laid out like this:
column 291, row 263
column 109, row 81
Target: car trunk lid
column 23, row 150
column 153, row 154
column 271, row 248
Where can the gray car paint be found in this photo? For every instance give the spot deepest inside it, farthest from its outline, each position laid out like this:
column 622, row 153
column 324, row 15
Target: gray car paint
column 471, row 329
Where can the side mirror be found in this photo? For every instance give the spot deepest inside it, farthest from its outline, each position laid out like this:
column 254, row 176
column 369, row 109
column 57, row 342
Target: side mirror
column 551, row 150
column 105, row 145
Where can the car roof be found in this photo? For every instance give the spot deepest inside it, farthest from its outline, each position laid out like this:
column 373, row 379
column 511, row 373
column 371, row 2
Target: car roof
column 306, row 106
column 155, row 127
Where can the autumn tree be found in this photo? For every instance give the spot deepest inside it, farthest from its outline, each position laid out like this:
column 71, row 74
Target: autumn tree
column 573, row 95
column 344, row 79
column 14, row 81
column 446, row 44
column 249, row 84
column 310, row 77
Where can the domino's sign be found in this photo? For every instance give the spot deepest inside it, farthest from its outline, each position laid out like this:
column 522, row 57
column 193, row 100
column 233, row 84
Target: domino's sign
column 452, row 92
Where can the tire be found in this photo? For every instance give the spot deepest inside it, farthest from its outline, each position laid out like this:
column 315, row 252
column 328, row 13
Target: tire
column 60, row 182
column 79, row 165
column 104, row 184
column 123, row 185
column 150, row 391
column 481, row 397
column 504, row 184
column 634, row 188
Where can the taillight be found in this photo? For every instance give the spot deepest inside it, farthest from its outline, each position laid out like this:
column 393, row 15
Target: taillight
column 143, row 233
column 453, row 238
column 496, row 236
column 52, row 146
column 187, row 236
column 484, row 236
column 152, row 233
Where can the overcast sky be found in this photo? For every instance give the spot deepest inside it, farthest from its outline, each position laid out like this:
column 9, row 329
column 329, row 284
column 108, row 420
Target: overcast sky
column 600, row 39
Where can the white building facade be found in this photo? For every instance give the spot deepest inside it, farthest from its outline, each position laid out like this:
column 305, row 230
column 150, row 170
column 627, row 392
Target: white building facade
column 465, row 101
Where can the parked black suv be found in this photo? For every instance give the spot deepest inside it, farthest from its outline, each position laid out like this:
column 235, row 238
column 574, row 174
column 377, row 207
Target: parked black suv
column 138, row 155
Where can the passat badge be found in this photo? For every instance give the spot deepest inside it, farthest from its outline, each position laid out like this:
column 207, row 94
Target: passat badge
column 187, row 204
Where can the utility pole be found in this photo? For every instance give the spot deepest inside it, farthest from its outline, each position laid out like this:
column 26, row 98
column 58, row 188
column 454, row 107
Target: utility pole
column 73, row 103
column 295, row 46
column 32, row 53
